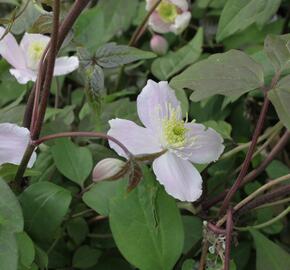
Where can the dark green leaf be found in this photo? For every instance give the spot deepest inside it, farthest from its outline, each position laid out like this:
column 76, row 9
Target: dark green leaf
column 8, row 250
column 78, row 230
column 86, row 257
column 26, row 249
column 44, row 206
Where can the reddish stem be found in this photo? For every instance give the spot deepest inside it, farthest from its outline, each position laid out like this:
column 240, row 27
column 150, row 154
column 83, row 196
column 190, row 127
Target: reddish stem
column 229, row 230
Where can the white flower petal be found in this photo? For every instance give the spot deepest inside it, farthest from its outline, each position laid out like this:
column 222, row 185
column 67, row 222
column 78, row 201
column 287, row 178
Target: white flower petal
column 182, row 4
column 23, row 75
column 13, row 143
column 26, row 44
column 179, row 177
column 65, row 65
column 10, row 50
column 181, row 22
column 138, row 140
column 157, row 24
column 207, row 145
column 153, row 104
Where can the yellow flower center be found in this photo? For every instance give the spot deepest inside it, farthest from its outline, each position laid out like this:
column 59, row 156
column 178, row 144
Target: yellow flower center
column 174, row 130
column 35, row 52
column 167, row 11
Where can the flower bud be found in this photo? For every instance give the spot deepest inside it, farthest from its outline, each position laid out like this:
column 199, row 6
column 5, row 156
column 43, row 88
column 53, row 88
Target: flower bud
column 159, row 44
column 109, row 169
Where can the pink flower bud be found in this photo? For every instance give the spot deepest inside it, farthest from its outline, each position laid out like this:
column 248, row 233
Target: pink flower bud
column 109, row 169
column 159, row 45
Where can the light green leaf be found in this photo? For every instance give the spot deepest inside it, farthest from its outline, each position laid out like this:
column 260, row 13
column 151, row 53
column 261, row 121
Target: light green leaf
column 147, row 227
column 11, row 217
column 72, row 161
column 270, row 256
column 239, row 14
column 99, row 24
column 44, row 205
column 26, row 249
column 231, row 74
column 222, row 127
column 100, row 195
column 280, row 97
column 166, row 66
column 278, row 52
column 112, row 55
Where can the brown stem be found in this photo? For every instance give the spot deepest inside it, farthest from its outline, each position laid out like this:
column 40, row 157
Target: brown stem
column 29, row 108
column 82, row 134
column 229, row 230
column 248, row 158
column 202, row 262
column 137, row 34
column 255, row 173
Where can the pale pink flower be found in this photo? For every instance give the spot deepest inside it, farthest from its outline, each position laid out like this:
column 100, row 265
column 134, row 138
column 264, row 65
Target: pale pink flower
column 25, row 58
column 13, row 143
column 170, row 16
column 178, row 142
column 159, row 44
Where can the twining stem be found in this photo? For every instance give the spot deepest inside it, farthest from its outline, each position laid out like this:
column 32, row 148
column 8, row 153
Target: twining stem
column 202, row 261
column 229, row 230
column 273, row 203
column 267, row 223
column 255, row 194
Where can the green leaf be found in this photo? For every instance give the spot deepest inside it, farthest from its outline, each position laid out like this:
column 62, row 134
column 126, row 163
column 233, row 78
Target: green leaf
column 112, row 55
column 231, row 74
column 270, row 256
column 280, row 97
column 26, row 249
column 188, row 264
column 277, row 49
column 168, row 65
column 222, row 127
column 78, row 230
column 86, row 257
column 239, row 14
column 277, row 169
column 99, row 24
column 8, row 250
column 100, row 195
column 72, row 161
column 11, row 217
column 147, row 226
column 44, row 205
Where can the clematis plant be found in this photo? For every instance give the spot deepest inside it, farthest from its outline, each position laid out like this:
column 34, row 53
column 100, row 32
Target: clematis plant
column 13, row 143
column 25, row 58
column 174, row 142
column 170, row 16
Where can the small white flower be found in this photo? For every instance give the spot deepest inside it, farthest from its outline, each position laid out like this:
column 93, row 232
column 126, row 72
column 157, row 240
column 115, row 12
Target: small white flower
column 25, row 58
column 109, row 168
column 13, row 143
column 180, row 142
column 169, row 16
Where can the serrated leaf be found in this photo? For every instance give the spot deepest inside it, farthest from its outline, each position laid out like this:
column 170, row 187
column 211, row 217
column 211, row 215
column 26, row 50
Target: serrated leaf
column 44, row 205
column 72, row 161
column 239, row 14
column 112, row 55
column 269, row 255
column 168, row 65
column 147, row 226
column 231, row 74
column 280, row 97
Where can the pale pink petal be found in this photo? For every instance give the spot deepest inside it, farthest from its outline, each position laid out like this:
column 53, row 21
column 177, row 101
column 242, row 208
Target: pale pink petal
column 13, row 143
column 10, row 50
column 182, row 4
column 157, row 24
column 138, row 140
column 23, row 75
column 154, row 104
column 204, row 144
column 65, row 65
column 179, row 177
column 181, row 22
column 25, row 44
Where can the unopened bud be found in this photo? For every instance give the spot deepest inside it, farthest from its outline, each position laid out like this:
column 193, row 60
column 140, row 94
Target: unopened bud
column 109, row 169
column 159, row 44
